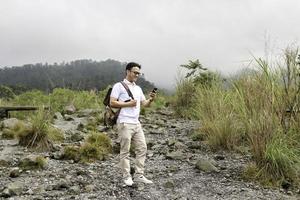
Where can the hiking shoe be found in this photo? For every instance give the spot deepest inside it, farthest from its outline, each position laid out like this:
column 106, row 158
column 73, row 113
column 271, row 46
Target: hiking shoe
column 128, row 181
column 143, row 179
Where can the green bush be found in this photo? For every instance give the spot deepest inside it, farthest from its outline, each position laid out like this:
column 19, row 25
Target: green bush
column 281, row 160
column 55, row 135
column 71, row 153
column 101, row 141
column 96, row 147
column 184, row 98
column 215, row 108
column 90, row 152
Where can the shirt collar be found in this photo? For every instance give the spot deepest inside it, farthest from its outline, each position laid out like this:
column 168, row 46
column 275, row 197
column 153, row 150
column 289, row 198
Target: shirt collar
column 128, row 83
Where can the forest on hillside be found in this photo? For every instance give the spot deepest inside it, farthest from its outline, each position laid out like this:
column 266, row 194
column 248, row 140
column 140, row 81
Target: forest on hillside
column 76, row 75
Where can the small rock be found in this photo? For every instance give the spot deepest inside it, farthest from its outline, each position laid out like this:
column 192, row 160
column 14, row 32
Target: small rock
column 173, row 168
column 63, row 184
column 169, row 184
column 13, row 189
column 76, row 137
column 175, row 155
column 58, row 116
column 70, row 109
column 219, row 157
column 80, row 126
column 29, row 192
column 75, row 189
column 179, row 145
column 171, row 142
column 15, row 172
column 9, row 123
column 69, row 117
column 89, row 188
column 38, row 198
column 5, row 162
column 206, row 166
column 88, row 112
column 159, row 131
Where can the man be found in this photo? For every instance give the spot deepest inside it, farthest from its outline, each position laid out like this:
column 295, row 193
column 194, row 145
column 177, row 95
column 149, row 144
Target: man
column 128, row 125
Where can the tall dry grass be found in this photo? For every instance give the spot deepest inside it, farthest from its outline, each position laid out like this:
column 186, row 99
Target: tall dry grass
column 258, row 111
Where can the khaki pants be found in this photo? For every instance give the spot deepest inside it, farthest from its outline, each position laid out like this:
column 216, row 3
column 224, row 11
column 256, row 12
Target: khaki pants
column 134, row 133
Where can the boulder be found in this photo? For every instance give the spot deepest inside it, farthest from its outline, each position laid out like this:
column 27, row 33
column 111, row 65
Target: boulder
column 9, row 123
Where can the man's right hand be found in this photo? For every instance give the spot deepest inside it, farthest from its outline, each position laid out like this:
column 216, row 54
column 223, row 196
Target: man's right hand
column 131, row 103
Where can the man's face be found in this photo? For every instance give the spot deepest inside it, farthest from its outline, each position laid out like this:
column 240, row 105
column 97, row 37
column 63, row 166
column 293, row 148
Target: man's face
column 133, row 74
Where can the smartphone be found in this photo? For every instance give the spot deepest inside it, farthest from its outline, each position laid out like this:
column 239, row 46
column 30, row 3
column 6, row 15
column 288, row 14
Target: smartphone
column 154, row 90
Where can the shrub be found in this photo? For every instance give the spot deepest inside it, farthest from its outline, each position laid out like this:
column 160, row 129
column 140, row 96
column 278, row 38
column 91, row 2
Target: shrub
column 38, row 162
column 184, row 98
column 100, row 140
column 71, row 153
column 280, row 159
column 96, row 147
column 38, row 136
column 215, row 108
column 90, row 152
column 55, row 135
column 198, row 136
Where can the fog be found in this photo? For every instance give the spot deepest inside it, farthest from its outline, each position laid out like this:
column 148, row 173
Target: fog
column 160, row 35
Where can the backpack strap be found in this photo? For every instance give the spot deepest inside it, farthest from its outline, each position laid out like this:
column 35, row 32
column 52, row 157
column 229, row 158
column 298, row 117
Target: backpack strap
column 127, row 89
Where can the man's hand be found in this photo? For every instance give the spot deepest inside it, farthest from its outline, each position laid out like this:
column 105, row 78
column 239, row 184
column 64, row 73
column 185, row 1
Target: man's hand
column 131, row 103
column 152, row 96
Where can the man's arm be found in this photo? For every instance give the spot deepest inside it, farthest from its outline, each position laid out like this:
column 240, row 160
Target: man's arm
column 148, row 102
column 114, row 98
column 121, row 104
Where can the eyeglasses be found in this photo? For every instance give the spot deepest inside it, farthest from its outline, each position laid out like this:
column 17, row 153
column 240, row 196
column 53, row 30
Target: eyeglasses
column 136, row 73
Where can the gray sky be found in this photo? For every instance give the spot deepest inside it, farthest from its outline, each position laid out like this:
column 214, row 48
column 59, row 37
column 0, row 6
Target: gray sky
column 159, row 34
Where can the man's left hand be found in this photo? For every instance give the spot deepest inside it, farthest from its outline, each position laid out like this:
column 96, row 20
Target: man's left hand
column 152, row 96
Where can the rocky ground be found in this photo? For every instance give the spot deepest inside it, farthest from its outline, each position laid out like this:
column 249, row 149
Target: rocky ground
column 180, row 167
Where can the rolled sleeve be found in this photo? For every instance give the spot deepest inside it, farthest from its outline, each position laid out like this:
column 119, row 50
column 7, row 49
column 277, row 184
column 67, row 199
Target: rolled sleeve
column 115, row 91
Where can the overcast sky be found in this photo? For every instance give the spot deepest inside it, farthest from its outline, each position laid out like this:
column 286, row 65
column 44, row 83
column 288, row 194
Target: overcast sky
column 159, row 34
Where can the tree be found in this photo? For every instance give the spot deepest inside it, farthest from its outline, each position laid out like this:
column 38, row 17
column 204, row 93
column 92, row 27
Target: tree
column 77, row 75
column 199, row 74
column 195, row 68
column 6, row 93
